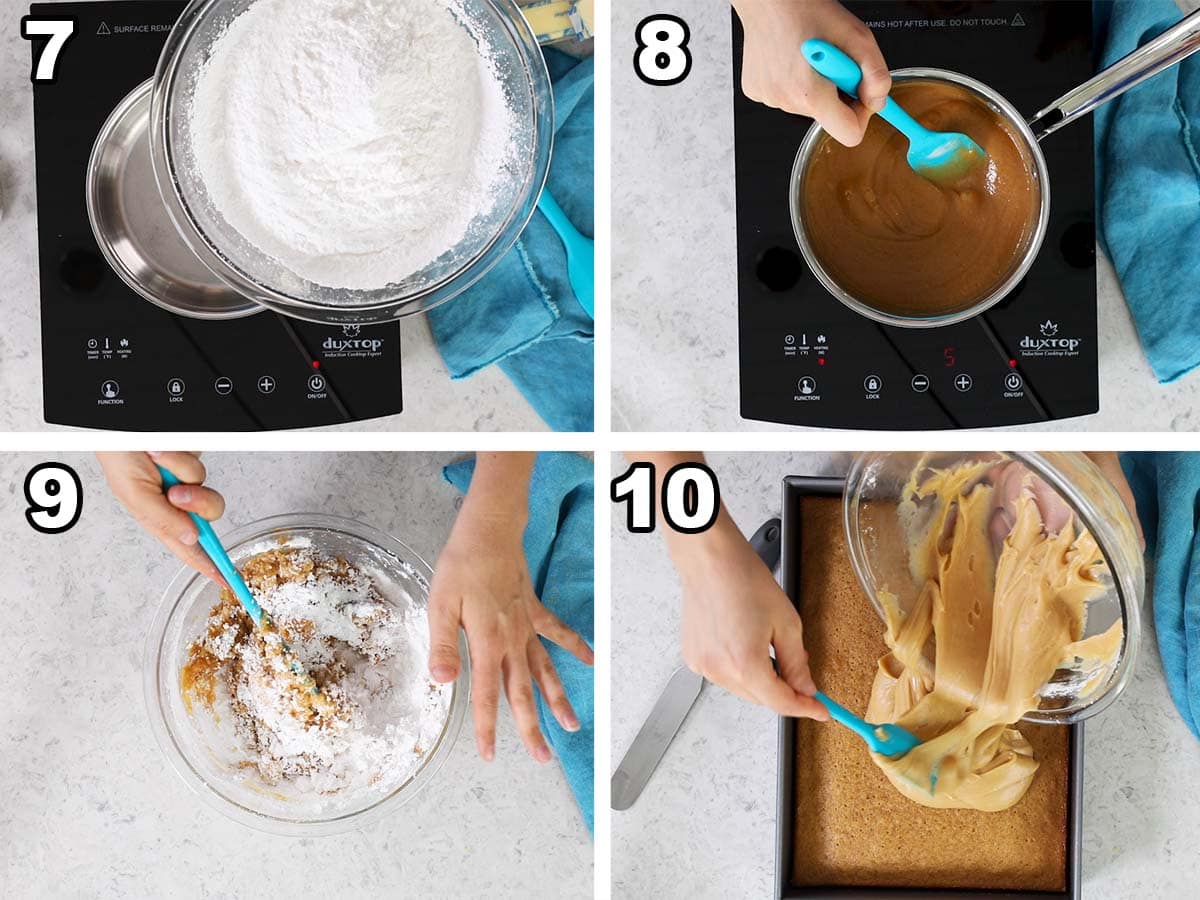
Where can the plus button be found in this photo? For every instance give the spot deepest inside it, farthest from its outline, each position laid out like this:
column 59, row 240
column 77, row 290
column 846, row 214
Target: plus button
column 266, row 384
column 963, row 383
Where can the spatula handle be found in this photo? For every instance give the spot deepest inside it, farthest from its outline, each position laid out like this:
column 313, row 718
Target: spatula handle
column 832, row 63
column 843, row 716
column 211, row 545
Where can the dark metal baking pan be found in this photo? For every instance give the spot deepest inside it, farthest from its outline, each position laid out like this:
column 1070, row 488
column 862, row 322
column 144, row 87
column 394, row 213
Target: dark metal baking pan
column 796, row 487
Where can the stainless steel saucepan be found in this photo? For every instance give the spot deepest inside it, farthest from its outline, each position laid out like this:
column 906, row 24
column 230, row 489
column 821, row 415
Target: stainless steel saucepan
column 1164, row 51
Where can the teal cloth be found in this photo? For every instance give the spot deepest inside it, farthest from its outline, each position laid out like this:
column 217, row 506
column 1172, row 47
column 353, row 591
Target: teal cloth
column 558, row 548
column 1167, row 489
column 523, row 314
column 1148, row 188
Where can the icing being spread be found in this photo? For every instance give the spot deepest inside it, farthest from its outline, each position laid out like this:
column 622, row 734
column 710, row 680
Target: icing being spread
column 904, row 245
column 1003, row 604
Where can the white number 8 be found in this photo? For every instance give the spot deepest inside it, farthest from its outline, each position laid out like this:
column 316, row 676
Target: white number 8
column 662, row 57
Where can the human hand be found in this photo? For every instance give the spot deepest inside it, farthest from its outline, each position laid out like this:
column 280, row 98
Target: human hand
column 482, row 584
column 774, row 71
column 733, row 614
column 1109, row 464
column 137, row 485
column 1010, row 477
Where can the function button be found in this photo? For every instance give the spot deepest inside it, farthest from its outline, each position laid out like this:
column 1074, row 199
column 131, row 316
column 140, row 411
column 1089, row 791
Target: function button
column 807, row 385
column 110, row 394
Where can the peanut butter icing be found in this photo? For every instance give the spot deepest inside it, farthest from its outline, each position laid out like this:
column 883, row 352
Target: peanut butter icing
column 903, row 244
column 1001, row 610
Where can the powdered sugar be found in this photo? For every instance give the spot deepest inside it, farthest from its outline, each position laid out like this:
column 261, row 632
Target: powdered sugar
column 354, row 141
column 378, row 715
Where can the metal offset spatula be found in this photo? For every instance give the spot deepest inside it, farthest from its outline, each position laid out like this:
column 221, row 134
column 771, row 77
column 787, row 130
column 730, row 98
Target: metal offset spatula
column 676, row 701
column 656, row 734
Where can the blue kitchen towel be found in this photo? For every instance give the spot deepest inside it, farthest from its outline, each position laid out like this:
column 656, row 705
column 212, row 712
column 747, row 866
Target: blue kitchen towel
column 558, row 548
column 523, row 313
column 1148, row 188
column 1167, row 489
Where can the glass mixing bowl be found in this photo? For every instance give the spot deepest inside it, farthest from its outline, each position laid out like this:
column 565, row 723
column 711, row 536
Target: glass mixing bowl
column 879, row 554
column 526, row 83
column 202, row 751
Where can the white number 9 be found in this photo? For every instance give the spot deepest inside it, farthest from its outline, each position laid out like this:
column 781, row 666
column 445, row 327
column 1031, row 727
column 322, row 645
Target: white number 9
column 55, row 497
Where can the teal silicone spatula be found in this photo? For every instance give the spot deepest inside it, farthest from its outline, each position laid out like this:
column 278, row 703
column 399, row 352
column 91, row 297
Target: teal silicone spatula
column 581, row 261
column 890, row 740
column 215, row 550
column 211, row 545
column 942, row 157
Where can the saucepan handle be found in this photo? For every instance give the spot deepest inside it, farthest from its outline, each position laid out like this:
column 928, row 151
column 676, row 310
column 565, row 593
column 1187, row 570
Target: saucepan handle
column 1172, row 46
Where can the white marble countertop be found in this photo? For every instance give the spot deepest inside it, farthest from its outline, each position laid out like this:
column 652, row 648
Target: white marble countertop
column 674, row 257
column 487, row 401
column 705, row 825
column 92, row 807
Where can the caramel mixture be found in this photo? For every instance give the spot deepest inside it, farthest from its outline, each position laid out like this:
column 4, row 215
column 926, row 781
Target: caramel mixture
column 904, row 245
column 1002, row 617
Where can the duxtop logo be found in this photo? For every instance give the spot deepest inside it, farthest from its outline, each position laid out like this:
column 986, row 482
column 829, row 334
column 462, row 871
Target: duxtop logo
column 1048, row 343
column 351, row 346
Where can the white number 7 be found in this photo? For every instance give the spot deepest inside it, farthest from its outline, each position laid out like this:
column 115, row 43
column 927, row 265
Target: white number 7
column 59, row 31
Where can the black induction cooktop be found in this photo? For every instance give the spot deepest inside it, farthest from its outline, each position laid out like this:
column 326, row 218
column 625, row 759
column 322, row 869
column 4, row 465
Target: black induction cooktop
column 805, row 359
column 111, row 359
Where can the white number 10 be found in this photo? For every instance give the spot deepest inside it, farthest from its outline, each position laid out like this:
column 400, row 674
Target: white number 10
column 691, row 497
